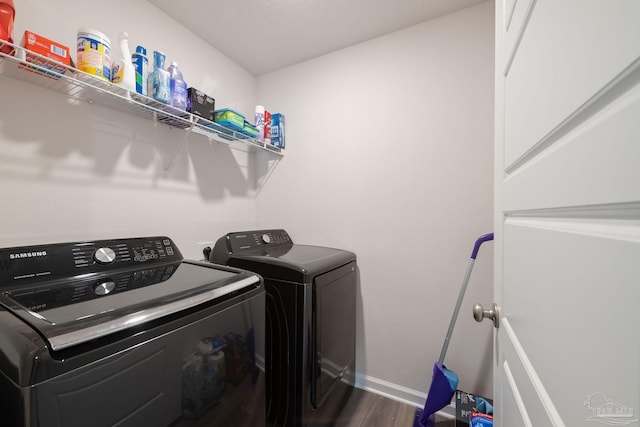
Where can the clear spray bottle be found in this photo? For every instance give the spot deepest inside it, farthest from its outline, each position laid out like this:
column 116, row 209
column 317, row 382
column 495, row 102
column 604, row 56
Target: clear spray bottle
column 122, row 71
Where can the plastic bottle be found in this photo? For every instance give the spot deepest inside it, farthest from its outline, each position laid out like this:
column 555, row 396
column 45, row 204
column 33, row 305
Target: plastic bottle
column 122, row 72
column 260, row 121
column 159, row 79
column 178, row 87
column 141, row 67
column 7, row 15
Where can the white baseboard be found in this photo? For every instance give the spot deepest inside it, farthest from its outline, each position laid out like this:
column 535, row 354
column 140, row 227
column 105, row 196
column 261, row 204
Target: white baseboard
column 400, row 393
column 393, row 391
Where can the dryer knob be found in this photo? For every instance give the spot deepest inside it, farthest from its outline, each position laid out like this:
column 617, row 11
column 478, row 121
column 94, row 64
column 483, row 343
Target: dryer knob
column 266, row 238
column 104, row 256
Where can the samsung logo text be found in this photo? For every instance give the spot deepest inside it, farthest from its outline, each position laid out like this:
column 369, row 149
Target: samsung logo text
column 28, row 255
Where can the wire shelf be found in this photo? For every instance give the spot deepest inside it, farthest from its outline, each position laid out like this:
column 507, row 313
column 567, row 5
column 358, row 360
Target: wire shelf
column 82, row 87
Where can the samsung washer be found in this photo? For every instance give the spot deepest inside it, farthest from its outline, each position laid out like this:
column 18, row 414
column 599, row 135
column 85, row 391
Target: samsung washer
column 126, row 332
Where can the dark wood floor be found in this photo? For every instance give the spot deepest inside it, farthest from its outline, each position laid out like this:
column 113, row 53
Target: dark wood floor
column 365, row 409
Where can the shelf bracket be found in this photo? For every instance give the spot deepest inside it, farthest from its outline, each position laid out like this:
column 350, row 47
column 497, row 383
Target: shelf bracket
column 183, row 143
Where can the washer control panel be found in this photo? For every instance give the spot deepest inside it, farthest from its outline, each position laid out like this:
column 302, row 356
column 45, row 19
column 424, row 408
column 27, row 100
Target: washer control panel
column 104, row 256
column 45, row 262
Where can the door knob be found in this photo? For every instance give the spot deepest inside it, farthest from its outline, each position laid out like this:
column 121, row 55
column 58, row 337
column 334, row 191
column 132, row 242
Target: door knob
column 479, row 313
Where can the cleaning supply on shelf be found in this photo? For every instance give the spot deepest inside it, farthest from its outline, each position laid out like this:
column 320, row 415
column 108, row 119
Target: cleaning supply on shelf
column 260, row 121
column 277, row 130
column 111, row 98
column 267, row 127
column 54, row 52
column 249, row 130
column 159, row 79
column 200, row 104
column 229, row 118
column 122, row 72
column 178, row 88
column 7, row 15
column 141, row 67
column 94, row 53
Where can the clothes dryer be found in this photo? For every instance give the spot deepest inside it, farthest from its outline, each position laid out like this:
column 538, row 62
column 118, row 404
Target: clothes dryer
column 310, row 326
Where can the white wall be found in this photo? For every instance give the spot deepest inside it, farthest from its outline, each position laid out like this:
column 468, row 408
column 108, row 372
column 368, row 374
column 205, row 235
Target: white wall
column 79, row 171
column 390, row 155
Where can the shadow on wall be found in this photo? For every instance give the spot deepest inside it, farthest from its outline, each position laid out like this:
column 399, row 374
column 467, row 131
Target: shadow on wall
column 485, row 376
column 217, row 170
column 48, row 136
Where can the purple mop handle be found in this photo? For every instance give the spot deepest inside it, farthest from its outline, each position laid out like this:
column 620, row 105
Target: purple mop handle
column 463, row 289
column 479, row 242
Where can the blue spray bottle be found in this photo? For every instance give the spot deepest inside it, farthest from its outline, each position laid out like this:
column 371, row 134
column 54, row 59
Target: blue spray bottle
column 141, row 66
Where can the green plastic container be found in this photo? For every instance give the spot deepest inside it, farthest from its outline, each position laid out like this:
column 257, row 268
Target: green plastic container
column 249, row 130
column 229, row 118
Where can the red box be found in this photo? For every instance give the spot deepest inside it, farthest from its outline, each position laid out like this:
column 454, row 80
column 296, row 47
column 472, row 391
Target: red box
column 53, row 51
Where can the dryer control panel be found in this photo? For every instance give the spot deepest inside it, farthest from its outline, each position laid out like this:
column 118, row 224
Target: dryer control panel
column 249, row 241
column 242, row 241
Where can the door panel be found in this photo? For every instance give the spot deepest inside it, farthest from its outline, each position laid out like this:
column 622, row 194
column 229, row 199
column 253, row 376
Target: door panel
column 568, row 53
column 522, row 382
column 567, row 213
column 518, row 15
column 509, row 7
column 512, row 398
column 588, row 181
column 574, row 282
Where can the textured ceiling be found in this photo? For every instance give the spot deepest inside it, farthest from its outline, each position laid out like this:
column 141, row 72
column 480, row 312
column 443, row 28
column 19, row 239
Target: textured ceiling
column 266, row 35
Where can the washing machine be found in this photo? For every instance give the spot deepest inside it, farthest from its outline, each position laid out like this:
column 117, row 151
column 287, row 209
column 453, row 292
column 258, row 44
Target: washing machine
column 126, row 332
column 310, row 322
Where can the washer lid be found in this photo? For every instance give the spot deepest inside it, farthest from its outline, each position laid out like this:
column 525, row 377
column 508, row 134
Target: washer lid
column 72, row 311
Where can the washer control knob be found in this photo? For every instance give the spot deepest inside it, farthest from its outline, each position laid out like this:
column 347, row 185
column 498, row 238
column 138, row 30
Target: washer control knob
column 266, row 238
column 104, row 256
column 103, row 288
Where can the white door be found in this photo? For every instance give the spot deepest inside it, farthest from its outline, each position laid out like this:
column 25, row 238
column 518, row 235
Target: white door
column 567, row 225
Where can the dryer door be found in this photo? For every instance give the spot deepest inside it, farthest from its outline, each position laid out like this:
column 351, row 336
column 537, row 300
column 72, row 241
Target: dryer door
column 334, row 331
